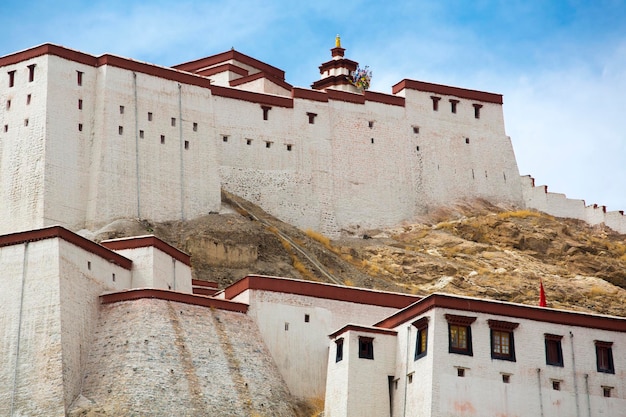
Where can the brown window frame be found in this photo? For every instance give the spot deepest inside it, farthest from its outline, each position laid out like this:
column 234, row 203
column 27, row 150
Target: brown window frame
column 421, row 339
column 604, row 357
column 502, row 339
column 554, row 350
column 366, row 347
column 460, row 325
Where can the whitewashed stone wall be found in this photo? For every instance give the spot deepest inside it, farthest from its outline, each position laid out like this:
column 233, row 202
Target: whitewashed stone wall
column 559, row 205
column 482, row 391
column 50, row 304
column 299, row 348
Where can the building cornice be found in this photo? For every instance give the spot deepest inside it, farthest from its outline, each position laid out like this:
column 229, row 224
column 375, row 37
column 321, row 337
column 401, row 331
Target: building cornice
column 319, row 290
column 70, row 237
column 146, row 241
column 447, row 91
column 498, row 308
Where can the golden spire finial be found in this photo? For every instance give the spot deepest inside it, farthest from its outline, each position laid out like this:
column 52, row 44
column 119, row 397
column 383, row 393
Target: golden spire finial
column 337, row 41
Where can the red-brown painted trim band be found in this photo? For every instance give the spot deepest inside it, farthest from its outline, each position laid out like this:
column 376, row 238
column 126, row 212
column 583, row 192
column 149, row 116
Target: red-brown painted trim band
column 145, row 241
column 338, row 63
column 203, row 283
column 198, row 300
column 71, row 237
column 330, row 81
column 364, row 329
column 259, row 75
column 209, row 61
column 384, row 98
column 497, row 308
column 223, row 68
column 306, row 94
column 447, row 90
column 48, row 49
column 209, row 292
column 345, row 96
column 320, row 290
column 252, row 97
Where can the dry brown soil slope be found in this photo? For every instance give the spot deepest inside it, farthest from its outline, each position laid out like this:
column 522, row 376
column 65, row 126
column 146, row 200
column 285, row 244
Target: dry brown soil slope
column 474, row 249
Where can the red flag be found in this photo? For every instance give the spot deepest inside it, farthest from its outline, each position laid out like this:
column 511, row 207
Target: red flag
column 542, row 295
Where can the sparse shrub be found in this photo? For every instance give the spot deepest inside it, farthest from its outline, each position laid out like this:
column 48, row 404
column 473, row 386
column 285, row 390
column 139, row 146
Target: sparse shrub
column 348, row 282
column 318, row 237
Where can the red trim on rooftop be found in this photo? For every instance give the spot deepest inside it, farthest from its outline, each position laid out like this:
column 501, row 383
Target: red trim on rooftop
column 209, row 61
column 252, row 97
column 541, row 314
column 330, row 81
column 68, row 236
column 345, row 96
column 338, row 63
column 223, row 68
column 203, row 283
column 384, row 98
column 320, row 290
column 364, row 329
column 447, row 90
column 307, row 94
column 258, row 75
column 145, row 241
column 179, row 297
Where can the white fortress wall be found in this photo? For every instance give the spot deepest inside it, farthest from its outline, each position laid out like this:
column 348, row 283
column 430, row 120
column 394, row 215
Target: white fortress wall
column 272, row 162
column 281, row 318
column 374, row 169
column 69, row 138
column 556, row 204
column 147, row 152
column 22, row 145
column 462, row 156
column 83, row 276
column 31, row 370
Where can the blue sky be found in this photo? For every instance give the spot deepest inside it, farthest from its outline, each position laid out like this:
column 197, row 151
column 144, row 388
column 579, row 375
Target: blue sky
column 561, row 65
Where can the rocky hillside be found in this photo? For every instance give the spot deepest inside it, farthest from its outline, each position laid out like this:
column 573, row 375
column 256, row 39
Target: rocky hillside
column 474, row 249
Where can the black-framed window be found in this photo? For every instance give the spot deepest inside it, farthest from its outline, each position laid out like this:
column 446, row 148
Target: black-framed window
column 604, row 357
column 366, row 347
column 502, row 339
column 421, row 339
column 339, row 349
column 554, row 351
column 460, row 334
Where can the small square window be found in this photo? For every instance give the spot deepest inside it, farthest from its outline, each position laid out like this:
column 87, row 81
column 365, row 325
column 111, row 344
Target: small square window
column 248, row 141
column 307, row 318
column 370, row 124
column 11, row 78
column 366, row 347
column 186, row 144
column 120, row 130
column 6, row 128
column 417, row 148
column 149, row 116
column 372, row 140
column 121, row 109
column 506, row 378
column 289, row 147
column 28, row 97
column 173, row 122
column 477, row 108
column 80, row 104
column 268, row 144
column 195, row 127
column 113, row 276
column 416, row 129
column 466, row 140
column 162, row 139
column 89, row 265
column 410, row 377
column 25, row 122
column 79, row 77
column 339, row 350
column 556, row 385
column 606, row 392
column 224, row 138
column 141, row 134
column 286, row 326
column 311, row 117
column 80, row 127
column 8, row 104
column 460, row 372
